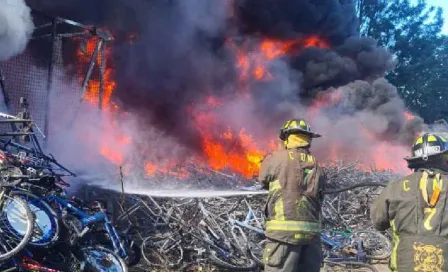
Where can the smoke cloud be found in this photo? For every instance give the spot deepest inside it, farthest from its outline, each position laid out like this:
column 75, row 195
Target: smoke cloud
column 333, row 19
column 16, row 27
column 185, row 53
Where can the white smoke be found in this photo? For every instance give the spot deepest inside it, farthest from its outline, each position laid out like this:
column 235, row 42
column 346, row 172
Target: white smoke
column 16, row 27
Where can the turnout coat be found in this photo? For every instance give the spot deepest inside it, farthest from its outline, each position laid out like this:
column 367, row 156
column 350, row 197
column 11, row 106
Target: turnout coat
column 415, row 208
column 295, row 183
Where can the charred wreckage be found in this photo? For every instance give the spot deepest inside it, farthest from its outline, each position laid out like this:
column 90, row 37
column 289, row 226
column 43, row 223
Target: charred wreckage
column 111, row 230
column 205, row 80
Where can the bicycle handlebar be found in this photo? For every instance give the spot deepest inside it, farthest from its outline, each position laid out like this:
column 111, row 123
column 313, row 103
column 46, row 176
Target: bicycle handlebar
column 17, row 180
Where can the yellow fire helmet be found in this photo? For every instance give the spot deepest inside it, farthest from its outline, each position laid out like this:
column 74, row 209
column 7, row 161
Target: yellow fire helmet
column 296, row 126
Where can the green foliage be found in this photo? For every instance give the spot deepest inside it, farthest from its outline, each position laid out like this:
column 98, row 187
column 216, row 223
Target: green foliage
column 412, row 31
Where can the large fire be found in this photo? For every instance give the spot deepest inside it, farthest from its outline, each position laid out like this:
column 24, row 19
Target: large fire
column 233, row 148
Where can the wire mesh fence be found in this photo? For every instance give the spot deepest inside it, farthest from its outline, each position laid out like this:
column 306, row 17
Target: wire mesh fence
column 62, row 67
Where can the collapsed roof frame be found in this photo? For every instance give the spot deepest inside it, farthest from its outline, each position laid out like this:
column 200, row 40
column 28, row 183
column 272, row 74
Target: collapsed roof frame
column 55, row 29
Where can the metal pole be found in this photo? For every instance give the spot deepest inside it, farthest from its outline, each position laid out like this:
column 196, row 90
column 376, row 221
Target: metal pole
column 102, row 69
column 89, row 71
column 6, row 99
column 5, row 94
column 50, row 79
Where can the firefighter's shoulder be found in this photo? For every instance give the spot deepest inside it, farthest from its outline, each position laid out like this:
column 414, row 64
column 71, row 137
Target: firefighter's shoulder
column 273, row 154
column 405, row 183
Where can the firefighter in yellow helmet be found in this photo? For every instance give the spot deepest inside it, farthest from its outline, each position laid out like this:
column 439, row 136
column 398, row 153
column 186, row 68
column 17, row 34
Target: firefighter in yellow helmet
column 415, row 208
column 295, row 183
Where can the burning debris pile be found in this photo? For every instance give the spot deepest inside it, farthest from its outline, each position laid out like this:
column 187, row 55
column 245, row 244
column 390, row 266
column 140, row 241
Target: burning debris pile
column 187, row 231
column 179, row 226
column 210, row 82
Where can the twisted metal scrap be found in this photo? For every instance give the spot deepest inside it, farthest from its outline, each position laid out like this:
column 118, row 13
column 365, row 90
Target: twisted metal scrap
column 151, row 215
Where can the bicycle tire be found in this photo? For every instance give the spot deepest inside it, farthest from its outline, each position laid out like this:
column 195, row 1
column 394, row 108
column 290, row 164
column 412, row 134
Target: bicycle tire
column 387, row 244
column 343, row 265
column 29, row 218
column 134, row 258
column 38, row 203
column 118, row 262
column 249, row 265
column 350, row 187
column 256, row 252
column 102, row 238
column 151, row 254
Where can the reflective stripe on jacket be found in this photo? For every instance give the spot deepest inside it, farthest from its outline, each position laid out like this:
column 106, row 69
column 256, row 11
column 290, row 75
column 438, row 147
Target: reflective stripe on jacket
column 295, row 184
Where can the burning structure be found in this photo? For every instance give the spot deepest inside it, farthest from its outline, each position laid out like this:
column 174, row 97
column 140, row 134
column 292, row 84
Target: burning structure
column 210, row 82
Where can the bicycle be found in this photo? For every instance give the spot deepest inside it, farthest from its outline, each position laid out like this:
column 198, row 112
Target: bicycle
column 374, row 244
column 80, row 221
column 201, row 236
column 25, row 262
column 16, row 218
column 343, row 250
column 251, row 222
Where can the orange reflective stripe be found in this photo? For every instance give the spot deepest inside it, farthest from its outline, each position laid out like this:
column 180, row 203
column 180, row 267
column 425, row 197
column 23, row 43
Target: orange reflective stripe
column 435, row 197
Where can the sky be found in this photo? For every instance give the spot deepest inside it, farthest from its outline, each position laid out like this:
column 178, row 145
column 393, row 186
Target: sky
column 444, row 5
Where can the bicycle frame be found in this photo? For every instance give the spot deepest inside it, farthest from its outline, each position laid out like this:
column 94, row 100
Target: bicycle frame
column 28, row 264
column 245, row 223
column 249, row 217
column 336, row 244
column 326, row 239
column 87, row 220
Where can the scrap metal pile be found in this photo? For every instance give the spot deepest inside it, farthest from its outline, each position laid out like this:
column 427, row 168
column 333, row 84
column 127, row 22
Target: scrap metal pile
column 41, row 229
column 191, row 233
column 111, row 230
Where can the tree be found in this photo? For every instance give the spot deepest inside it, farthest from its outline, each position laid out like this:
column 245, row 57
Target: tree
column 413, row 33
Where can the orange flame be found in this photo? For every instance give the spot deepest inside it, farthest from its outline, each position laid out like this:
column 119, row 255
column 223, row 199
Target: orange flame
column 325, row 99
column 254, row 62
column 92, row 92
column 223, row 147
column 408, row 115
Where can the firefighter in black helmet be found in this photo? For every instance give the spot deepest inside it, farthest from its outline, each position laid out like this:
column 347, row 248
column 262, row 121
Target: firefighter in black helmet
column 415, row 208
column 295, row 183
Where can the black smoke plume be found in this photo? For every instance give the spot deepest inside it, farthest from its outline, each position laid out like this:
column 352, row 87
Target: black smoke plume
column 286, row 19
column 182, row 56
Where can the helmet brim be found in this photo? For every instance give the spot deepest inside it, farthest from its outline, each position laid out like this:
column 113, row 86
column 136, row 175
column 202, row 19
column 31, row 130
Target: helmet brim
column 302, row 131
column 419, row 162
column 416, row 158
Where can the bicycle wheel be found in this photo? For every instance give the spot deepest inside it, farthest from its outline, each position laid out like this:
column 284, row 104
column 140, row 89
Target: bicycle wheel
column 16, row 226
column 376, row 245
column 133, row 251
column 348, row 267
column 46, row 225
column 232, row 260
column 100, row 259
column 162, row 251
column 256, row 251
column 102, row 238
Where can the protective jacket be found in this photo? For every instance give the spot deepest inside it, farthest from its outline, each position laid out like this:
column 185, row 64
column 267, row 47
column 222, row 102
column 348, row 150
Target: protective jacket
column 416, row 209
column 295, row 183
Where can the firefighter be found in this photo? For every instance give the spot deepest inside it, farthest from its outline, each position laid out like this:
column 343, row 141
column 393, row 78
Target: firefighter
column 295, row 183
column 415, row 208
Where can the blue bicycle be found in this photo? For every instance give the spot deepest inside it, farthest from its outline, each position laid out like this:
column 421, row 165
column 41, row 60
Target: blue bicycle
column 85, row 224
